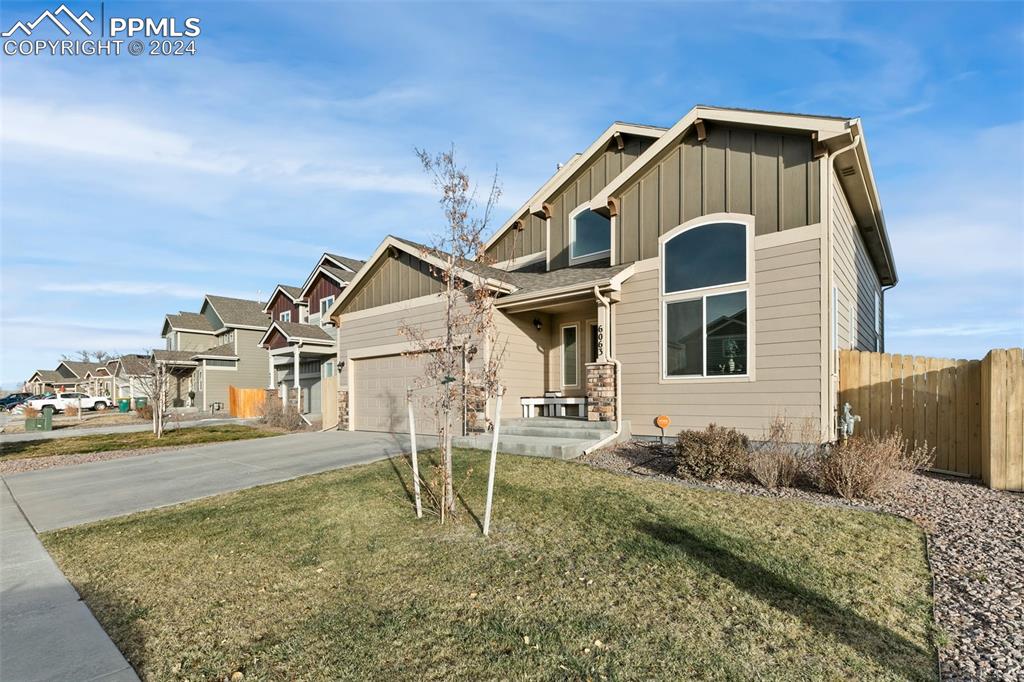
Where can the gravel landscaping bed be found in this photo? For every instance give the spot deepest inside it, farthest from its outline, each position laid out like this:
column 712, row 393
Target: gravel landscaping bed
column 14, row 466
column 976, row 552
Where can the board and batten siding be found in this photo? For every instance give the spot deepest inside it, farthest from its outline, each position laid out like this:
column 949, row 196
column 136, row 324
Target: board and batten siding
column 854, row 276
column 516, row 243
column 786, row 295
column 770, row 175
column 393, row 280
column 250, row 370
column 323, row 286
column 581, row 188
column 283, row 304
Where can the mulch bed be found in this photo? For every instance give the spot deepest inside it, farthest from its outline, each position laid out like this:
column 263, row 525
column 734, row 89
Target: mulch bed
column 976, row 552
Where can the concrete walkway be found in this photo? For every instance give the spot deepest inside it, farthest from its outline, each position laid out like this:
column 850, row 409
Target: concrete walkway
column 120, row 428
column 46, row 632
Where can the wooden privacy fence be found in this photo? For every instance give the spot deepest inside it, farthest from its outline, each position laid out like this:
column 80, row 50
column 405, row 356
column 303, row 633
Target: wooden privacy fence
column 246, row 402
column 970, row 411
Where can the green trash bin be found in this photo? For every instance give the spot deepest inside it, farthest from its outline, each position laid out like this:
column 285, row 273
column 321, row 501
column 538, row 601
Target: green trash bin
column 43, row 422
column 124, row 404
column 140, row 403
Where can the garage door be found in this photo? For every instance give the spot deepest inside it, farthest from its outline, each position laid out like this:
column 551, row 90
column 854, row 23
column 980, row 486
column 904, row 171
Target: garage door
column 380, row 387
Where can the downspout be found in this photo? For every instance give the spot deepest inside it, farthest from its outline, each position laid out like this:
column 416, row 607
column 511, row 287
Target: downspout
column 618, row 382
column 833, row 376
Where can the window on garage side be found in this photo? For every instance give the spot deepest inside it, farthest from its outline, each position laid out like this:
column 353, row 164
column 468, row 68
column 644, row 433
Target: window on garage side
column 705, row 298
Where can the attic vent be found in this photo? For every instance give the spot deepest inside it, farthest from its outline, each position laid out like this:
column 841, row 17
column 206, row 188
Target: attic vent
column 848, row 171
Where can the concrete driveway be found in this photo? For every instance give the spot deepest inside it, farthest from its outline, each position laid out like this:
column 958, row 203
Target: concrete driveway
column 46, row 632
column 72, row 495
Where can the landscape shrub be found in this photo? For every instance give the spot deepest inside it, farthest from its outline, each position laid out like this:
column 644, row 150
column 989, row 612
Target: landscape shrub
column 276, row 416
column 145, row 412
column 71, row 411
column 29, row 412
column 779, row 460
column 870, row 466
column 715, row 452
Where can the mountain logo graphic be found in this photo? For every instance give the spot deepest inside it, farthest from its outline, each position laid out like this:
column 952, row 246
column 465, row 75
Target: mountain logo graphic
column 78, row 21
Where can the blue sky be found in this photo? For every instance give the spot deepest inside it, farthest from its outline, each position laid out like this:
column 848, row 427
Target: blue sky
column 133, row 185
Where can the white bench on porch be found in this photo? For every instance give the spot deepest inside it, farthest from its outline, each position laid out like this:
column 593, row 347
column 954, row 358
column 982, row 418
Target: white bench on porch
column 552, row 405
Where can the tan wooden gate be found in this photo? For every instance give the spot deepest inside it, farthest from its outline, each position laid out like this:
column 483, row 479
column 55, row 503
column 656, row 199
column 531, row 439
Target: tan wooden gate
column 970, row 411
column 246, row 402
column 329, row 401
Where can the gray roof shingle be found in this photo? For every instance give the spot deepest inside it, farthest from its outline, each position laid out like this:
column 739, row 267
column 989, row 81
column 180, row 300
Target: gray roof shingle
column 352, row 263
column 48, row 374
column 82, row 368
column 239, row 311
column 187, row 320
column 135, row 365
column 174, row 356
column 312, row 332
column 226, row 350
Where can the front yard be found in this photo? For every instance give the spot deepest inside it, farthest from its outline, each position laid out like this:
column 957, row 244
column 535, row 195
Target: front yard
column 586, row 574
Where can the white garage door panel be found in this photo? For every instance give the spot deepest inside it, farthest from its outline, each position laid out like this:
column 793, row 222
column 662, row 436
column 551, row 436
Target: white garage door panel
column 380, row 386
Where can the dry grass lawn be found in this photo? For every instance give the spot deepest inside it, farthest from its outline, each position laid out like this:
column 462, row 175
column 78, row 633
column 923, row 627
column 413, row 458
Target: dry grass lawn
column 587, row 574
column 106, row 442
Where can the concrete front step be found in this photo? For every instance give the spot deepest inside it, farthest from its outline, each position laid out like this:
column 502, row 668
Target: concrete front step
column 526, row 429
column 534, row 446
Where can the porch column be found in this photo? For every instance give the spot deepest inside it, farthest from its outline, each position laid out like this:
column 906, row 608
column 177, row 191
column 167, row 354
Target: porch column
column 295, row 362
column 270, row 370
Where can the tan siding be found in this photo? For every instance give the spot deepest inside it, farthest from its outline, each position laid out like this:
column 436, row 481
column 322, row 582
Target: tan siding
column 251, row 369
column 190, row 341
column 787, row 352
column 735, row 169
column 518, row 243
column 854, row 276
column 393, row 280
column 524, row 365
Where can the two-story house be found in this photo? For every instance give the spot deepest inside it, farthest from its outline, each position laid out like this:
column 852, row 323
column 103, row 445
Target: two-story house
column 209, row 351
column 300, row 338
column 708, row 272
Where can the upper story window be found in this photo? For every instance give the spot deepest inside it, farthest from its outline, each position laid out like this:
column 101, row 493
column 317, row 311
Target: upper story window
column 286, row 316
column 705, row 297
column 590, row 235
column 325, row 304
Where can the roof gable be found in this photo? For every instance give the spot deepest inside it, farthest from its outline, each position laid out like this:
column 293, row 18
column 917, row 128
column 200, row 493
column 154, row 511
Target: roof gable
column 296, row 331
column 293, row 294
column 236, row 312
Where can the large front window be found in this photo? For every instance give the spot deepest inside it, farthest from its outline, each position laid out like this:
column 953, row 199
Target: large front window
column 705, row 300
column 590, row 235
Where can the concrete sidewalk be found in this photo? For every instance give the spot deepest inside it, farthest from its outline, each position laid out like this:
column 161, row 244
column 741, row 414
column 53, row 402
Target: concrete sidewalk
column 122, row 428
column 46, row 631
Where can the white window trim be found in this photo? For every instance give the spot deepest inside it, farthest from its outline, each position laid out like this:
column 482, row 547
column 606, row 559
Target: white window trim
column 561, row 354
column 702, row 293
column 587, row 257
column 329, row 300
column 285, row 316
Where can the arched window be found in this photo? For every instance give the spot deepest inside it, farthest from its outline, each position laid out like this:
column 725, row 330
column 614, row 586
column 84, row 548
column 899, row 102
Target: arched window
column 590, row 235
column 705, row 283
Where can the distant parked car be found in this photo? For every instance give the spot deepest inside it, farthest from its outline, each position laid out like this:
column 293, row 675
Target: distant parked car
column 62, row 401
column 9, row 402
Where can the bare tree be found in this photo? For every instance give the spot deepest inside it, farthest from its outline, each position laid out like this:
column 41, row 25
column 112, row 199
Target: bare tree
column 462, row 364
column 96, row 356
column 155, row 385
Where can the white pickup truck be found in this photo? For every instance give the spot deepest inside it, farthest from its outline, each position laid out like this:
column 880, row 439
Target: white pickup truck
column 61, row 401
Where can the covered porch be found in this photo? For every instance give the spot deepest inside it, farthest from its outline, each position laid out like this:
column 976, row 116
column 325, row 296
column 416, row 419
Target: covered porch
column 296, row 373
column 569, row 329
column 184, row 382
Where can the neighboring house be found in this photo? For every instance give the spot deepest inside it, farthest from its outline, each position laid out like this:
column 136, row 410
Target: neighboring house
column 130, row 376
column 209, row 351
column 88, row 377
column 43, row 381
column 719, row 264
column 300, row 339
